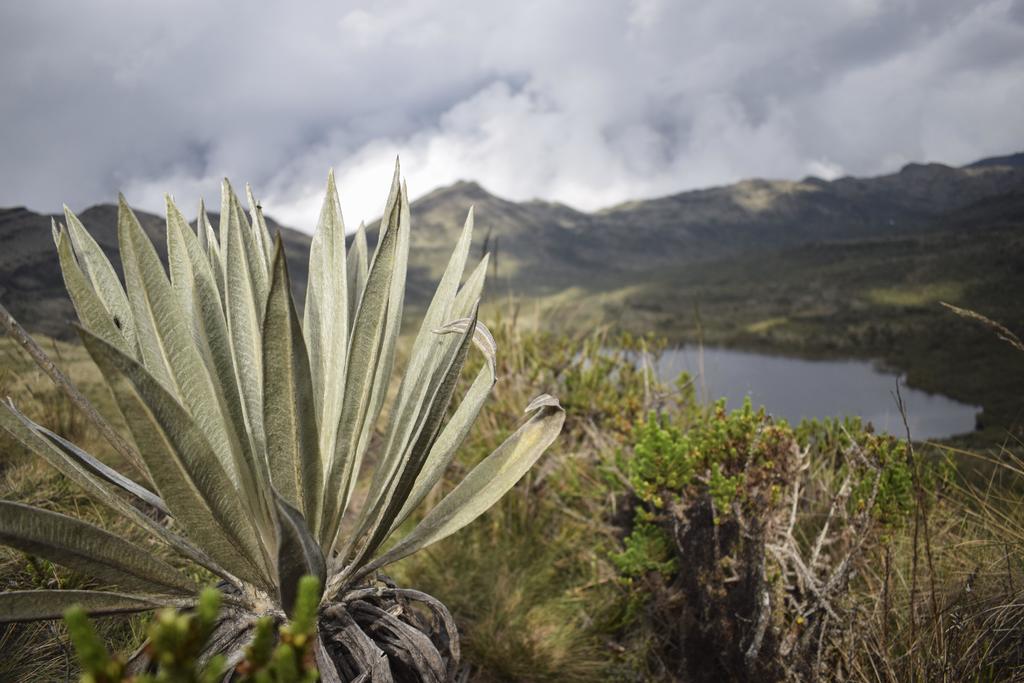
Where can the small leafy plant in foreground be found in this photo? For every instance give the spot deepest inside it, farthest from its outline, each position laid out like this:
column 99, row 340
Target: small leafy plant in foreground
column 176, row 642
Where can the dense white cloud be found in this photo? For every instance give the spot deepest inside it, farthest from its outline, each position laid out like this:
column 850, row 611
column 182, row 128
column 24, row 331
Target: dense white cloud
column 589, row 103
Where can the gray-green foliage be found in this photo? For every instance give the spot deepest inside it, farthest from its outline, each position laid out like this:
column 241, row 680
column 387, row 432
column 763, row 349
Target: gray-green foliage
column 251, row 425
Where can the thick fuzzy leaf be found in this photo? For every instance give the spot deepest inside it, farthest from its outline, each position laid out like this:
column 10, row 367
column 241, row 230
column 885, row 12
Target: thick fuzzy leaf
column 179, row 261
column 196, row 282
column 363, row 358
column 298, row 553
column 245, row 302
column 386, row 353
column 482, row 338
column 88, row 549
column 289, row 417
column 256, row 256
column 211, row 247
column 103, row 277
column 386, row 364
column 46, row 604
column 138, row 258
column 472, row 290
column 104, row 472
column 28, row 434
column 186, row 472
column 261, row 235
column 429, row 352
column 447, row 444
column 92, row 312
column 483, row 486
column 326, row 316
column 169, row 351
column 457, row 429
column 358, row 260
column 387, row 502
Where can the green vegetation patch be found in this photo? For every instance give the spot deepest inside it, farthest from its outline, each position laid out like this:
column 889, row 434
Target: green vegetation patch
column 919, row 295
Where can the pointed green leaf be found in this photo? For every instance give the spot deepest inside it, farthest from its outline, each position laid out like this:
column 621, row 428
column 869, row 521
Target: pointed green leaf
column 186, row 472
column 211, row 247
column 429, row 352
column 386, row 355
column 385, row 502
column 179, row 261
column 358, row 259
column 396, row 302
column 86, row 548
column 256, row 257
column 245, row 303
column 103, row 277
column 90, row 309
column 289, row 410
column 444, row 448
column 472, row 290
column 50, row 604
column 456, row 430
column 28, row 433
column 364, row 354
column 104, row 472
column 326, row 317
column 298, row 553
column 483, row 486
column 482, row 338
column 169, row 351
column 138, row 268
column 259, row 226
column 210, row 336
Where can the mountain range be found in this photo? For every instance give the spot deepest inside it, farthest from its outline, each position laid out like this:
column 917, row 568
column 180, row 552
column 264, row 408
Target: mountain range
column 541, row 249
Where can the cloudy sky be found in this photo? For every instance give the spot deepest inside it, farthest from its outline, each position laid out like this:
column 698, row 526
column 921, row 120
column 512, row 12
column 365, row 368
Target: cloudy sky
column 589, row 102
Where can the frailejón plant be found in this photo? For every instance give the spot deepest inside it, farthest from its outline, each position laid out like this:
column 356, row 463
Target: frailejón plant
column 250, row 427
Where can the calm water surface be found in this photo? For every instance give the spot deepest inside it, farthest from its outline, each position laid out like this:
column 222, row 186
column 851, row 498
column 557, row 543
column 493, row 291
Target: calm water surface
column 794, row 389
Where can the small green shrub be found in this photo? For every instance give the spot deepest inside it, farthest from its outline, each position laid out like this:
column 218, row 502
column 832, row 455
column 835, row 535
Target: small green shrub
column 177, row 642
column 746, row 532
column 832, row 439
column 647, row 549
column 727, row 455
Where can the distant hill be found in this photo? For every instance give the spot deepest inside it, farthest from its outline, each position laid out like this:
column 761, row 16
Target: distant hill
column 1008, row 160
column 31, row 285
column 543, row 248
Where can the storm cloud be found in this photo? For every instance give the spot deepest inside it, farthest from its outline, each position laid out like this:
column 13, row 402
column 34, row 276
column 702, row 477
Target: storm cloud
column 588, row 103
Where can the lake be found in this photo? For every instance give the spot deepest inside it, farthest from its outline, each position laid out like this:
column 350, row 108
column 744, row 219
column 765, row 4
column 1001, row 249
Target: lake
column 795, row 389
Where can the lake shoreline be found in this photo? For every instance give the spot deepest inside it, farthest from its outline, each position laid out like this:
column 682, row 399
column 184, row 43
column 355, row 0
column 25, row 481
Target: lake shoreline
column 796, row 388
